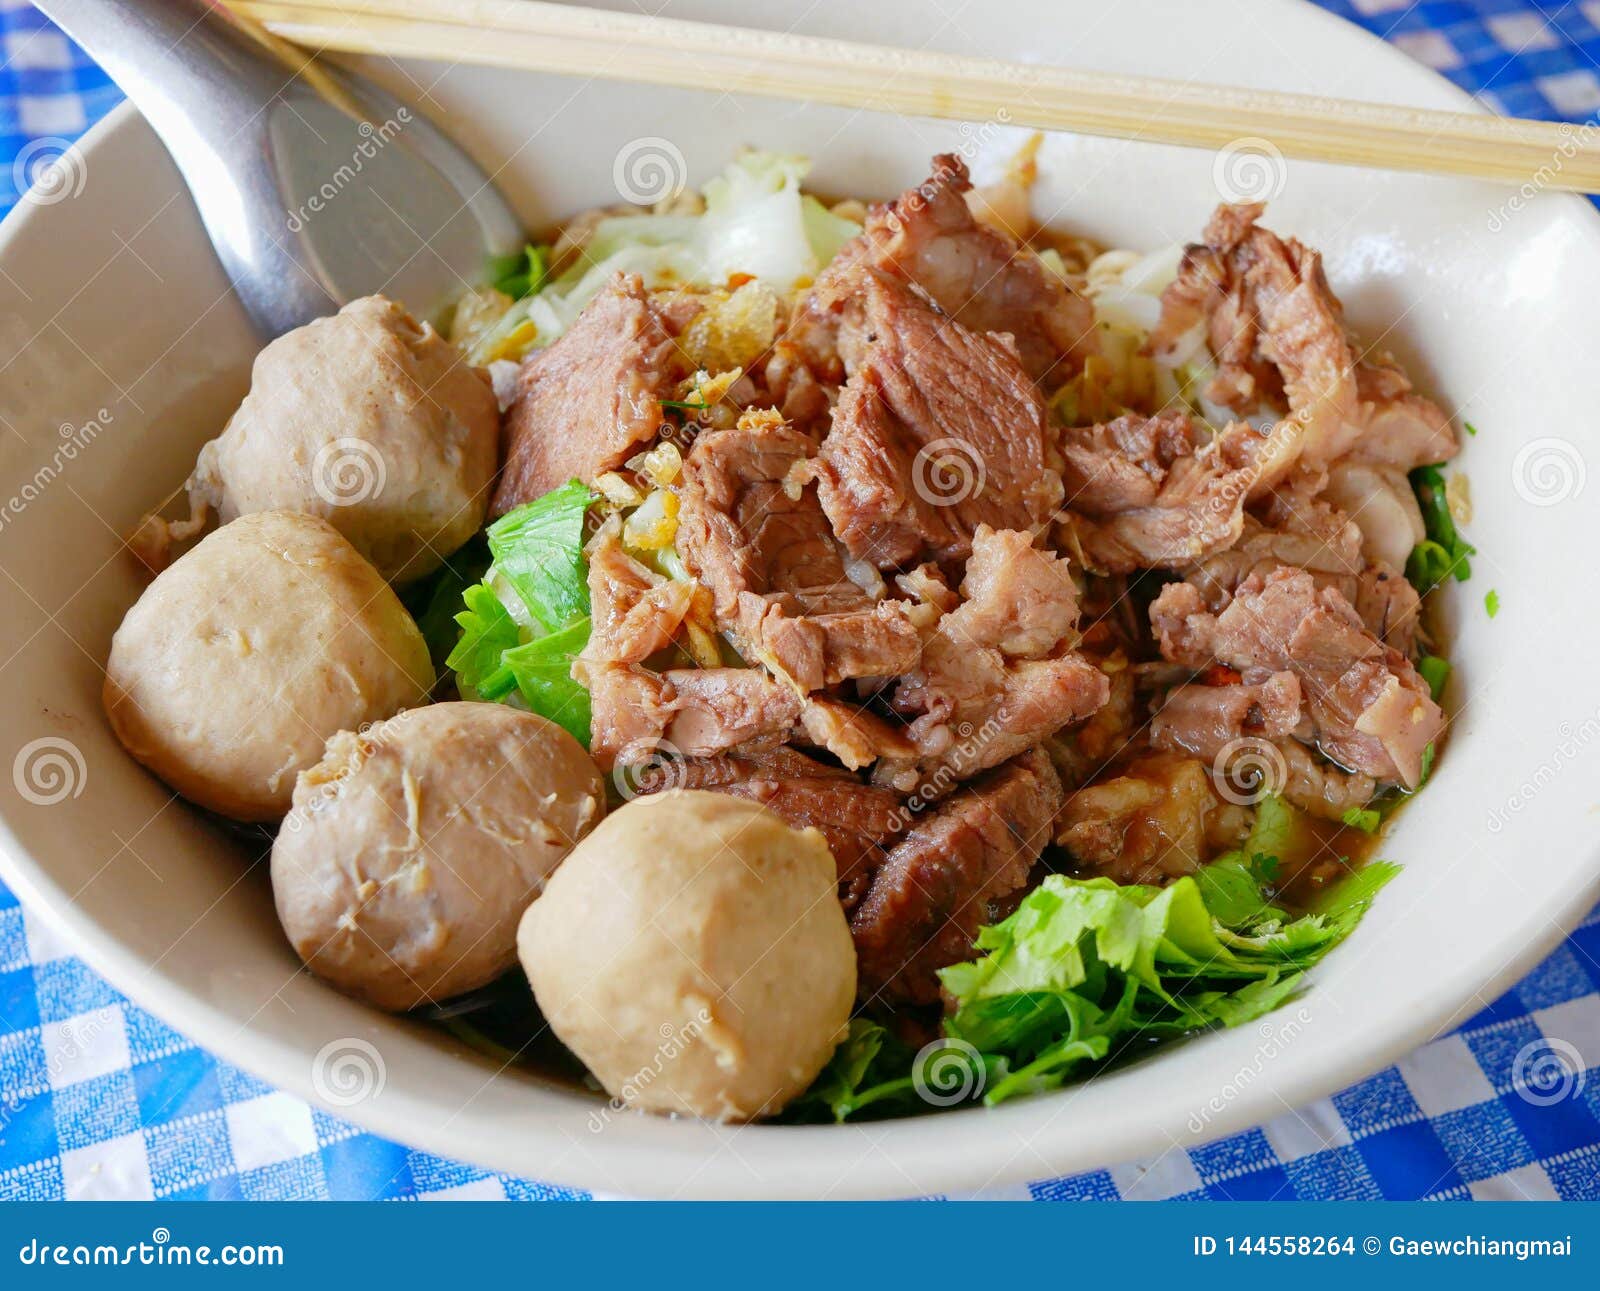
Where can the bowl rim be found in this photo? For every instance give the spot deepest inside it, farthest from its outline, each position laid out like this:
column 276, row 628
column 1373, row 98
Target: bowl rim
column 907, row 1153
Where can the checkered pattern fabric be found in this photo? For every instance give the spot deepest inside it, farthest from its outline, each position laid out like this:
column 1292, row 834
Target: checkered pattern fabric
column 100, row 1100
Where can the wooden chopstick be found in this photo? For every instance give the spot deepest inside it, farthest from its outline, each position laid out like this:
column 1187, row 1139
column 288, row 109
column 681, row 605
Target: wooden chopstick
column 568, row 40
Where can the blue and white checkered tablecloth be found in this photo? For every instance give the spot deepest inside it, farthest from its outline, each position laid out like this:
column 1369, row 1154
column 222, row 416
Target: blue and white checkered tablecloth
column 99, row 1099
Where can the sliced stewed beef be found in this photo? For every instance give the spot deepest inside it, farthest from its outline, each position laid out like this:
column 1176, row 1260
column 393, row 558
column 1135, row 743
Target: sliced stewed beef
column 976, row 274
column 691, row 712
column 1262, row 306
column 754, row 534
column 586, row 403
column 1205, row 720
column 634, row 610
column 1369, row 709
column 937, row 431
column 934, row 888
column 1146, row 492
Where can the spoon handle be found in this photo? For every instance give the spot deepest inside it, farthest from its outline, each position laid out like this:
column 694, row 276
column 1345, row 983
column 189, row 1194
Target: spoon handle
column 208, row 90
column 183, row 63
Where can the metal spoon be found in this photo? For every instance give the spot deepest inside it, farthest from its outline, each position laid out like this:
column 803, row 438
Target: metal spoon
column 315, row 189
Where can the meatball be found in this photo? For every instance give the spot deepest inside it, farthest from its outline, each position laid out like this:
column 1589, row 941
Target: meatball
column 372, row 421
column 232, row 670
column 693, row 953
column 415, row 846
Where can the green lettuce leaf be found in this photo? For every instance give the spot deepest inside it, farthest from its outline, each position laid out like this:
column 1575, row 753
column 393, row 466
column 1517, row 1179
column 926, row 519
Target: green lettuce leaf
column 538, row 550
column 542, row 673
column 1086, row 970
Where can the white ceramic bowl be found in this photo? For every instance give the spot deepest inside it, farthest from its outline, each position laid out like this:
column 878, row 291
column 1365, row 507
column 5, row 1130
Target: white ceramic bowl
column 123, row 351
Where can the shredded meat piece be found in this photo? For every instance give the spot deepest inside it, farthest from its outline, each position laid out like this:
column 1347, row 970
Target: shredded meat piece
column 1143, row 492
column 855, row 818
column 640, row 716
column 1204, row 720
column 586, row 403
column 635, row 611
column 853, row 734
column 756, row 536
column 1321, row 541
column 937, row 431
column 1158, row 820
column 1369, row 708
column 1320, row 789
column 934, row 887
column 1390, row 607
column 1263, row 306
column 976, row 274
column 997, row 675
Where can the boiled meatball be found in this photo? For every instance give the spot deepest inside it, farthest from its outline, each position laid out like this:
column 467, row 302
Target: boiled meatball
column 370, row 420
column 229, row 674
column 415, row 846
column 693, row 953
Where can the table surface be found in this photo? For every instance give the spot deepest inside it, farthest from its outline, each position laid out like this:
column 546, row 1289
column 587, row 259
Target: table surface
column 99, row 1099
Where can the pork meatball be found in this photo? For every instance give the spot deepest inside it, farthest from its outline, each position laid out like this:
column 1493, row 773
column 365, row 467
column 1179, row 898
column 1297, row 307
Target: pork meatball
column 229, row 674
column 693, row 953
column 373, row 422
column 415, row 846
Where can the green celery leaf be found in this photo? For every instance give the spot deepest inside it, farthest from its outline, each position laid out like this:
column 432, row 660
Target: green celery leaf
column 435, row 601
column 487, row 632
column 521, row 274
column 1365, row 819
column 538, row 549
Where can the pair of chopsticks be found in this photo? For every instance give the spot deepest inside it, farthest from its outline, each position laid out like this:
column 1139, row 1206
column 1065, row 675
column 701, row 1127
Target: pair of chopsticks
column 569, row 40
